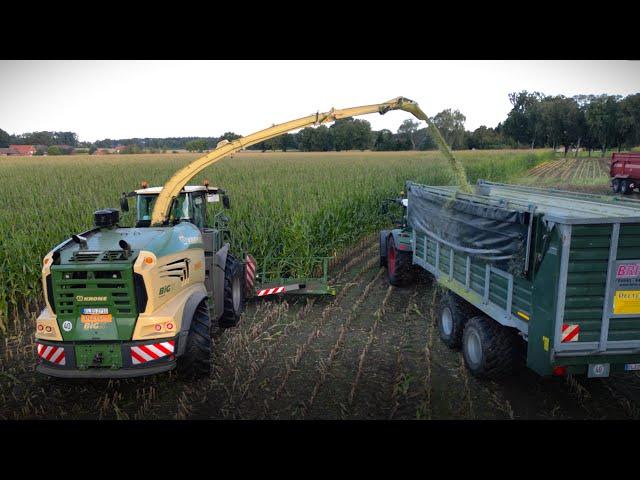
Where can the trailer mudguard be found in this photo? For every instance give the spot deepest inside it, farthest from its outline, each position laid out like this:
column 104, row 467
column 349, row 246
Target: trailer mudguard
column 187, row 314
column 401, row 239
column 219, row 262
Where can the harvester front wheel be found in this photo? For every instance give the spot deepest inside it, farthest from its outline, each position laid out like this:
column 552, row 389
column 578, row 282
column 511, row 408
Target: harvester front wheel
column 196, row 360
column 625, row 187
column 400, row 271
column 233, row 292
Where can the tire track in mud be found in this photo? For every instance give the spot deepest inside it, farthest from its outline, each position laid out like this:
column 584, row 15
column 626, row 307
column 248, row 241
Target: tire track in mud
column 261, row 374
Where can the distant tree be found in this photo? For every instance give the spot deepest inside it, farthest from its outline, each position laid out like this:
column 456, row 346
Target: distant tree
column 424, row 140
column 385, row 141
column 524, row 122
column 231, row 136
column 5, row 139
column 92, row 149
column 451, row 126
column 629, row 120
column 409, row 129
column 601, row 119
column 54, row 150
column 485, row 138
column 199, row 145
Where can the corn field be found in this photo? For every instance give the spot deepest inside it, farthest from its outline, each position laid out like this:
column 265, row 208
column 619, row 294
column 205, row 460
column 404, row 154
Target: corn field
column 283, row 205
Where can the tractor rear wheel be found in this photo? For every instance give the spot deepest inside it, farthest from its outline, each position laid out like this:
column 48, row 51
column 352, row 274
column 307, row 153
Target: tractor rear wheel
column 615, row 185
column 400, row 271
column 195, row 362
column 233, row 292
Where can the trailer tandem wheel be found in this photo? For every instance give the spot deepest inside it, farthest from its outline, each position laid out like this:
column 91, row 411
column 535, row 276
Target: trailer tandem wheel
column 615, row 185
column 489, row 349
column 453, row 313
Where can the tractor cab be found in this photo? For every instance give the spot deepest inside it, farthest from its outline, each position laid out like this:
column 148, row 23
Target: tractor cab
column 189, row 206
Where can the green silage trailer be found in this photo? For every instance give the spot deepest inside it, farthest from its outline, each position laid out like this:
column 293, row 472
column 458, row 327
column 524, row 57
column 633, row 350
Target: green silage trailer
column 537, row 276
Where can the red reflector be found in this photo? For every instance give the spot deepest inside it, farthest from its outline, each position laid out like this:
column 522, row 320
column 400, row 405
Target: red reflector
column 169, row 326
column 40, row 327
column 48, row 329
column 559, row 371
column 158, row 327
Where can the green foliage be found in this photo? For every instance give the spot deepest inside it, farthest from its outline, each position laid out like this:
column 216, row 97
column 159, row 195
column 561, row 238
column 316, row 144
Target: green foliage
column 199, row 145
column 54, row 150
column 295, row 204
column 5, row 139
column 451, row 126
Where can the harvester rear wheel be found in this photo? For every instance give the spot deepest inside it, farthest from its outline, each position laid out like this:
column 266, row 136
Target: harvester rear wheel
column 233, row 292
column 625, row 187
column 195, row 362
column 400, row 271
column 489, row 349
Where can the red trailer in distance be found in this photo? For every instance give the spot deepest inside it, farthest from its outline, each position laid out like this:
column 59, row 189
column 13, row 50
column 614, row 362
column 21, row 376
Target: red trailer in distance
column 625, row 172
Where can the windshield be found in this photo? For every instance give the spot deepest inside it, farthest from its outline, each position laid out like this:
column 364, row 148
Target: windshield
column 145, row 203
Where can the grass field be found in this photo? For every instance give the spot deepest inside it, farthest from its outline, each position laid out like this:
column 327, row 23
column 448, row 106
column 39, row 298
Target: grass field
column 291, row 204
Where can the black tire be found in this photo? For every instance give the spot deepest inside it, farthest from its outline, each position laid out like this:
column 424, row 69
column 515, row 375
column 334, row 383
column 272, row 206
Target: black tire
column 625, row 187
column 453, row 313
column 489, row 349
column 233, row 293
column 383, row 247
column 400, row 271
column 195, row 362
column 615, row 185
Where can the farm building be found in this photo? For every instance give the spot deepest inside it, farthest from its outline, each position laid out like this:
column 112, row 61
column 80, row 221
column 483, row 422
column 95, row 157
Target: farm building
column 24, row 150
column 119, row 148
column 4, row 152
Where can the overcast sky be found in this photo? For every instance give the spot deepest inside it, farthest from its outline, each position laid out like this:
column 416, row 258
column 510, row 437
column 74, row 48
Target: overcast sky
column 124, row 99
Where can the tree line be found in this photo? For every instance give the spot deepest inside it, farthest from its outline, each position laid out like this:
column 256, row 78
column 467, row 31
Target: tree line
column 535, row 120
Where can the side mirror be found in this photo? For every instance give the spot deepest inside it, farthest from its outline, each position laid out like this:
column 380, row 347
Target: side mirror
column 124, row 203
column 226, row 202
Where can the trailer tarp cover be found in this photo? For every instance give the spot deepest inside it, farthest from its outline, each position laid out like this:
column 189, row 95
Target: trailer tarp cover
column 486, row 231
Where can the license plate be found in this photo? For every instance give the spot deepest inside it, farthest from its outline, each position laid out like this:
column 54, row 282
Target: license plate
column 96, row 318
column 95, row 311
column 629, row 367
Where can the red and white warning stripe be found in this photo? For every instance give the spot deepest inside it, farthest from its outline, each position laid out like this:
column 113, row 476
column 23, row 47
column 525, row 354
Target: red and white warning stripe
column 153, row 351
column 270, row 291
column 51, row 354
column 570, row 332
column 250, row 271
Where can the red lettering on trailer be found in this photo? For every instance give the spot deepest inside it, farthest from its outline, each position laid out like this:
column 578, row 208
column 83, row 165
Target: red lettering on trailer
column 628, row 270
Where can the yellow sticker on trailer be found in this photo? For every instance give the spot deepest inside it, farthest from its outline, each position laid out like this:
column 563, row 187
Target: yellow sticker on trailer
column 626, row 302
